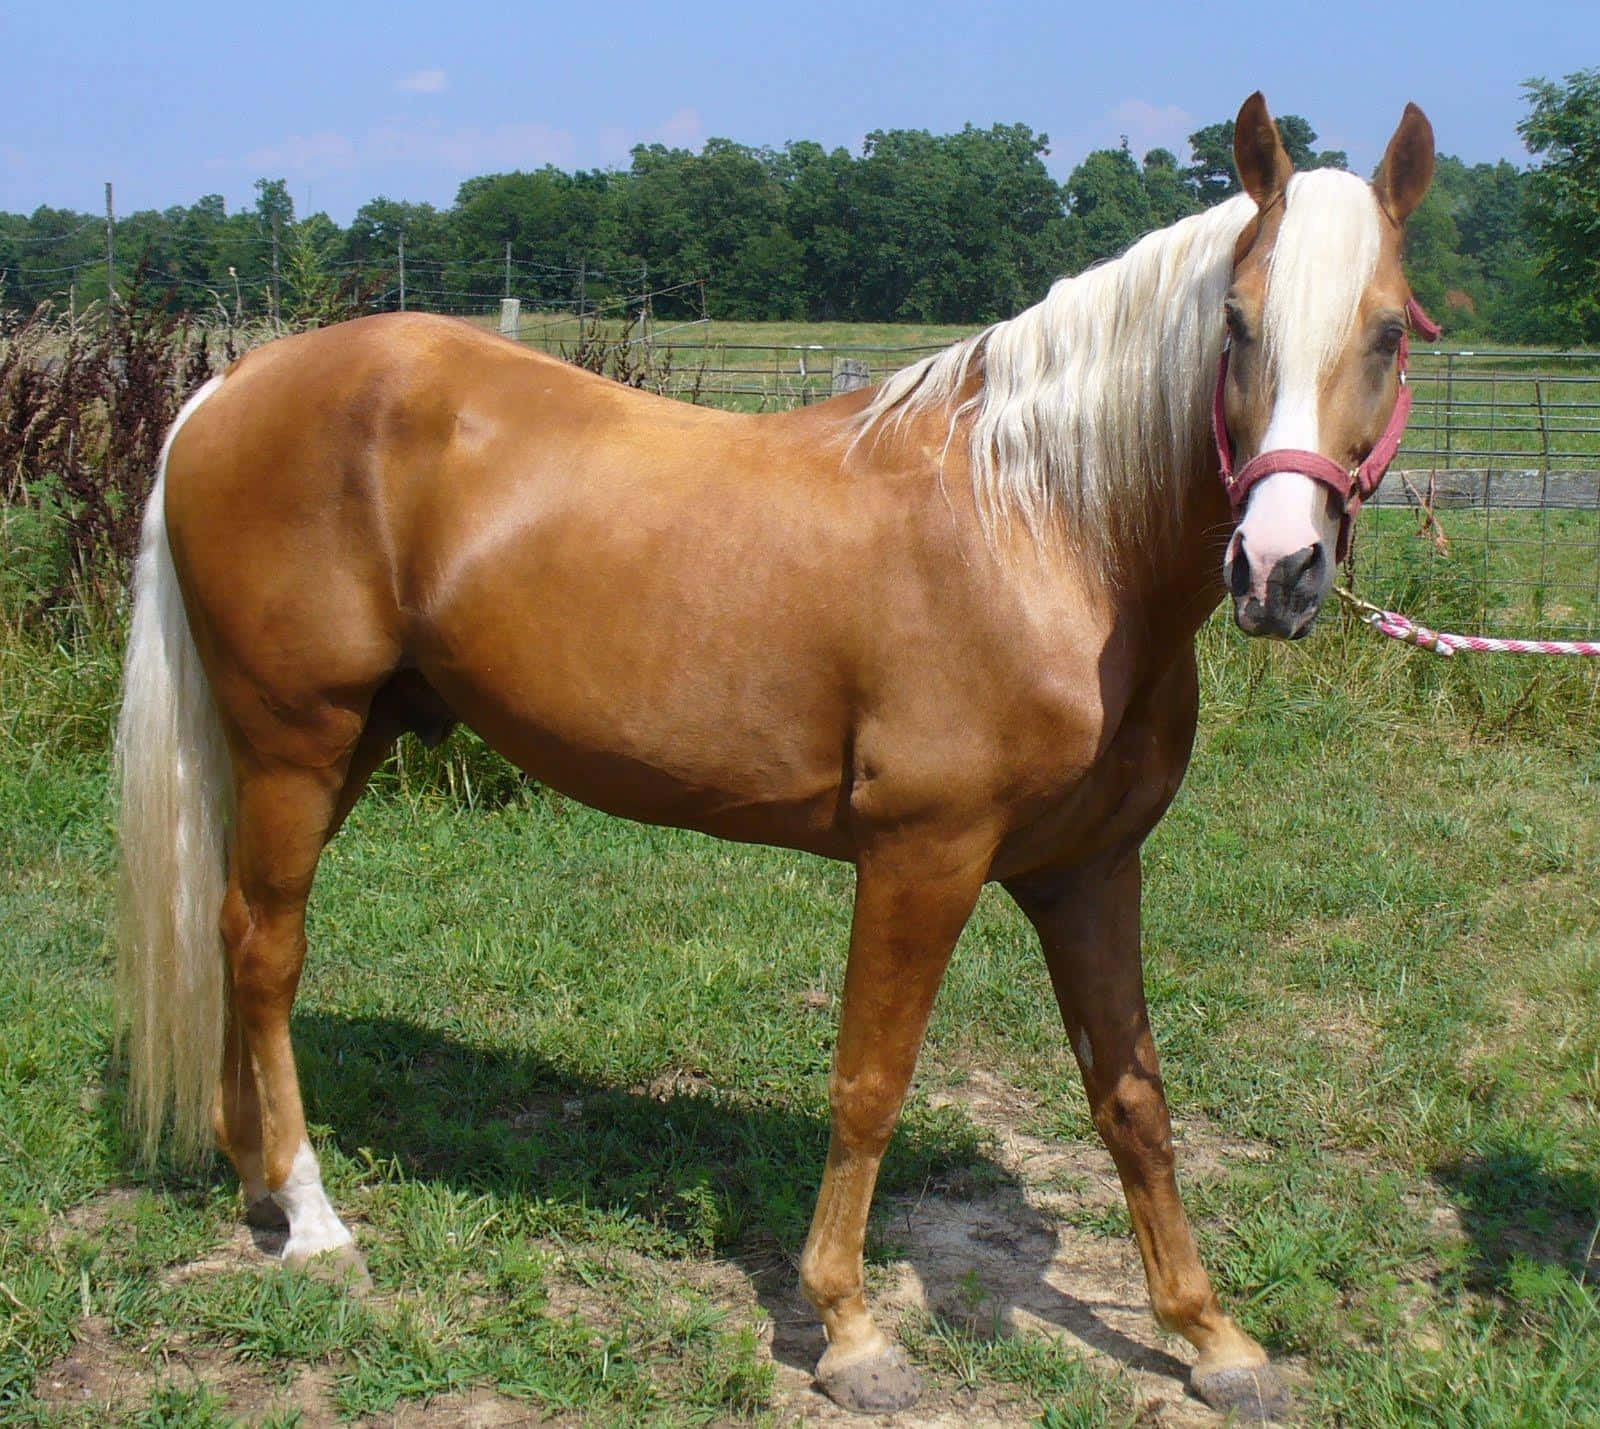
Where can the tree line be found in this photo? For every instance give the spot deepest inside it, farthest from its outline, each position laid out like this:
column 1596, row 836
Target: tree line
column 917, row 227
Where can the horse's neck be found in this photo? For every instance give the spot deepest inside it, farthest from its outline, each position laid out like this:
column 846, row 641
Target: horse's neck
column 1175, row 576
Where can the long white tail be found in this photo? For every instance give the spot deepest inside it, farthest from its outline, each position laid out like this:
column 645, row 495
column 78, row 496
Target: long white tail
column 176, row 807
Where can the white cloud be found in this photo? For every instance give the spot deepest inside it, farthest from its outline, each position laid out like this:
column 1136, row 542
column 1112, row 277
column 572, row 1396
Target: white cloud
column 1149, row 126
column 461, row 149
column 321, row 153
column 474, row 150
column 680, row 130
column 424, row 81
column 465, row 148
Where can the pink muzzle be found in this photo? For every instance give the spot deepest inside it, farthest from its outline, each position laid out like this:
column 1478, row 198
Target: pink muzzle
column 1351, row 487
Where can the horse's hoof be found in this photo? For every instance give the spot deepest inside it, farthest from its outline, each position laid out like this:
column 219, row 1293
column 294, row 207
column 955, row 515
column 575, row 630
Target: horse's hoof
column 265, row 1214
column 1252, row 1396
column 341, row 1265
column 876, row 1383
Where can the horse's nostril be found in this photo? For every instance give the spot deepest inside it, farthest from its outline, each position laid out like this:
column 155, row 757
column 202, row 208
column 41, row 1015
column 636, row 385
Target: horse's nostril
column 1304, row 562
column 1239, row 572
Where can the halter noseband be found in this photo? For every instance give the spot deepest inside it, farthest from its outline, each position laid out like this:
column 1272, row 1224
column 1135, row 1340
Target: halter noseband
column 1351, row 487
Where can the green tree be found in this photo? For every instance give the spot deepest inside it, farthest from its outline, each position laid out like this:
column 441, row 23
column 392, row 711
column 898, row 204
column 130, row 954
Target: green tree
column 1563, row 197
column 197, row 236
column 274, row 206
column 1167, row 196
column 1468, row 255
column 1300, row 140
column 57, row 251
column 559, row 225
column 821, row 219
column 1211, row 176
column 313, row 295
column 928, row 228
column 718, row 215
column 1107, row 197
column 370, row 247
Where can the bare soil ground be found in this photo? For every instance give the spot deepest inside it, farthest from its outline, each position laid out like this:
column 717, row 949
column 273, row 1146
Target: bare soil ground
column 997, row 1262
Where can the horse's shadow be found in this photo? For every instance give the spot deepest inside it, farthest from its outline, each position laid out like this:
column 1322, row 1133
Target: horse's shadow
column 695, row 1171
column 1513, row 1205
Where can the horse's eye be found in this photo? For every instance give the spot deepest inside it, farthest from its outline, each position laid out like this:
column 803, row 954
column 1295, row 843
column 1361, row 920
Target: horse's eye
column 1238, row 329
column 1389, row 339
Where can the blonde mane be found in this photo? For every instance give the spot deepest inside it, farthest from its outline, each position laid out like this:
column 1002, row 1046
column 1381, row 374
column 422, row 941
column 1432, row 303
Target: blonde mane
column 1094, row 405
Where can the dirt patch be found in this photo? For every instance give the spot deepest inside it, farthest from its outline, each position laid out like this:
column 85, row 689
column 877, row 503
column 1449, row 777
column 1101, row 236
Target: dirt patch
column 1022, row 1257
column 91, row 1218
column 1004, row 1261
column 100, row 1376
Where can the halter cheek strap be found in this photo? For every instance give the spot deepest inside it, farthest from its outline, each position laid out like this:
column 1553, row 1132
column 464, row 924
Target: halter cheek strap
column 1351, row 487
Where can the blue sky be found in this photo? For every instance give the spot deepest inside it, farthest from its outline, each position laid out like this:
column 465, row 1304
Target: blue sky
column 347, row 101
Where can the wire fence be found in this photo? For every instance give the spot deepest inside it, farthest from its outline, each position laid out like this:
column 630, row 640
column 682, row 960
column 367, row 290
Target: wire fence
column 1488, row 524
column 1490, row 518
column 691, row 361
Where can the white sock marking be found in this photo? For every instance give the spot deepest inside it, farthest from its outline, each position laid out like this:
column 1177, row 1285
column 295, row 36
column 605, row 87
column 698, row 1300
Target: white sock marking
column 313, row 1225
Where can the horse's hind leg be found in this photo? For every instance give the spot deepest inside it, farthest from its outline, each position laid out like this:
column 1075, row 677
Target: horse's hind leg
column 283, row 817
column 238, row 1121
column 285, row 809
column 1088, row 923
column 911, row 904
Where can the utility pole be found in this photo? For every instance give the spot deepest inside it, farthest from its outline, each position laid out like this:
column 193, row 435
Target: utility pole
column 277, row 325
column 402, row 270
column 583, row 289
column 508, row 267
column 111, row 256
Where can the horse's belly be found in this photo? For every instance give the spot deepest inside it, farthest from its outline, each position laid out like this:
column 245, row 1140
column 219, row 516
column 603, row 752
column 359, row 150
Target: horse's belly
column 754, row 753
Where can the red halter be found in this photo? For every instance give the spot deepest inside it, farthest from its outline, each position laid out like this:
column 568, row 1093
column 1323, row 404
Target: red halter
column 1351, row 487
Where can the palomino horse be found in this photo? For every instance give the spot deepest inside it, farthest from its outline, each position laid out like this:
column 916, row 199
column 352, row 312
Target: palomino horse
column 943, row 630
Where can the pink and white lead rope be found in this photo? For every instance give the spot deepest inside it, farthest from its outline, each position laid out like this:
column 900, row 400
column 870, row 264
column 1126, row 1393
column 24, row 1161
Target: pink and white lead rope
column 1441, row 642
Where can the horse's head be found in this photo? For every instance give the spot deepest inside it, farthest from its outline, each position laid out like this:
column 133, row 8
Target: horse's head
column 1307, row 402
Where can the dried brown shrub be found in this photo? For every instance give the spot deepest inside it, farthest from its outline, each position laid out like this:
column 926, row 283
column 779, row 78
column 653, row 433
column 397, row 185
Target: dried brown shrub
column 85, row 403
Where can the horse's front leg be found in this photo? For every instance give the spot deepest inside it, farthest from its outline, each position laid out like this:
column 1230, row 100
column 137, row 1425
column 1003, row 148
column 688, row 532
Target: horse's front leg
column 1088, row 923
column 912, row 901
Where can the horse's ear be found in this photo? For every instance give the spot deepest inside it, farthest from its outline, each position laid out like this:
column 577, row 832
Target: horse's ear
column 1263, row 163
column 1402, row 182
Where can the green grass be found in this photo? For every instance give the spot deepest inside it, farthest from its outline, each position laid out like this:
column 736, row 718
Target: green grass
column 1508, row 408
column 1511, row 572
column 752, row 366
column 542, row 328
column 1513, row 411
column 567, row 1075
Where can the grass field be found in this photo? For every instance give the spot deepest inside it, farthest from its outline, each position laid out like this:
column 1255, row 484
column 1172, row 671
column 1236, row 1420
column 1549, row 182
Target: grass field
column 1511, row 408
column 568, row 1075
column 747, row 366
column 568, row 1079
column 1505, row 572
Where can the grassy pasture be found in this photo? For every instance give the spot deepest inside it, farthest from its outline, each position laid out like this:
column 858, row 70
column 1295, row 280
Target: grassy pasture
column 1511, row 406
column 568, row 1078
column 1506, row 572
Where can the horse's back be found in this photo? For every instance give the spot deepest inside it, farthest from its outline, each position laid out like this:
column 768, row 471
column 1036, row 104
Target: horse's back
column 619, row 591
column 696, row 617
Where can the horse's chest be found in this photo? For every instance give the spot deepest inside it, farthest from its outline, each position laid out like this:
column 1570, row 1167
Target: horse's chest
column 1117, row 798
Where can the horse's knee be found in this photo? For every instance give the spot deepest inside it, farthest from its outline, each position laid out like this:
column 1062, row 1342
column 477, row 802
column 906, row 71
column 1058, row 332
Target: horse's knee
column 865, row 1110
column 1133, row 1115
